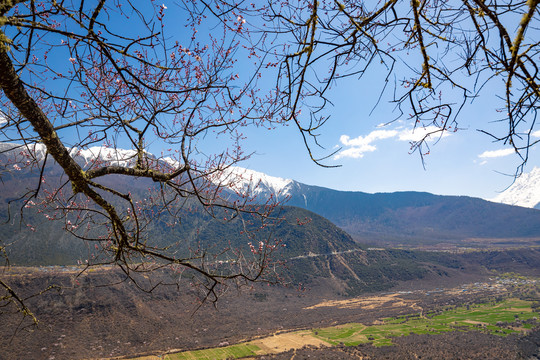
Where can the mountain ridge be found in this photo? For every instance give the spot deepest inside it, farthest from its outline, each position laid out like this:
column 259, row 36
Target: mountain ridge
column 410, row 216
column 524, row 191
column 393, row 219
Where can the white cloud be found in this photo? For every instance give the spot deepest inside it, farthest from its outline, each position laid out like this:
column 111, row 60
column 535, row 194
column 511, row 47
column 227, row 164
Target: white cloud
column 354, row 152
column 368, row 139
column 536, row 134
column 356, row 148
column 362, row 144
column 3, row 119
column 429, row 132
column 496, row 153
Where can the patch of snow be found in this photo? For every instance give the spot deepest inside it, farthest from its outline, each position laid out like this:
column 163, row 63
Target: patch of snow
column 525, row 191
column 37, row 150
column 252, row 182
column 112, row 156
column 172, row 162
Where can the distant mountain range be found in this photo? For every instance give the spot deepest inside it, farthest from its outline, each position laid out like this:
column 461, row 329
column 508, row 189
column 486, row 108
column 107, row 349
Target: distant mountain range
column 524, row 192
column 403, row 217
column 400, row 218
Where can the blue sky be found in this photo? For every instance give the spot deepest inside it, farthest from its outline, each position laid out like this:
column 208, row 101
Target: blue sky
column 376, row 157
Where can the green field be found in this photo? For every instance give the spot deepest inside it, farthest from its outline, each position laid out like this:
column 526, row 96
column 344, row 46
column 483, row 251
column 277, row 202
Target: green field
column 228, row 352
column 477, row 317
column 482, row 316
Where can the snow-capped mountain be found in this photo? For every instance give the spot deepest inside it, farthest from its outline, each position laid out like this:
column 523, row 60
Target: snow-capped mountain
column 113, row 156
column 93, row 156
column 525, row 191
column 15, row 151
column 400, row 216
column 258, row 184
column 241, row 180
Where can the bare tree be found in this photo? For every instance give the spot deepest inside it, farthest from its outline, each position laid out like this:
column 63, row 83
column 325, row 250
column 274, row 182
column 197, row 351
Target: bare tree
column 81, row 78
column 119, row 74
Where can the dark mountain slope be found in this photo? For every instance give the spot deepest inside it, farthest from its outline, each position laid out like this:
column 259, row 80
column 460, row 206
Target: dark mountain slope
column 417, row 216
column 49, row 244
column 312, row 252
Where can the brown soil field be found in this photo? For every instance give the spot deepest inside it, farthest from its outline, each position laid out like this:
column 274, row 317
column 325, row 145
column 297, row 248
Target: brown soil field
column 369, row 302
column 288, row 341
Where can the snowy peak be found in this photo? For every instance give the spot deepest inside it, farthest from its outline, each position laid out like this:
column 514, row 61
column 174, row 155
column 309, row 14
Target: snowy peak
column 252, row 182
column 87, row 156
column 525, row 191
column 35, row 150
column 112, row 156
column 241, row 180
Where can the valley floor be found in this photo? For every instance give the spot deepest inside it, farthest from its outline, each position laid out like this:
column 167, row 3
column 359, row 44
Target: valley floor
column 97, row 316
column 499, row 328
